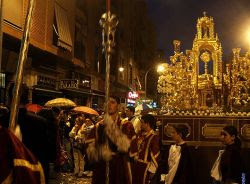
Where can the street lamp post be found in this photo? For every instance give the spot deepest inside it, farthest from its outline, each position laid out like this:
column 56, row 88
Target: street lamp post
column 160, row 69
column 145, row 81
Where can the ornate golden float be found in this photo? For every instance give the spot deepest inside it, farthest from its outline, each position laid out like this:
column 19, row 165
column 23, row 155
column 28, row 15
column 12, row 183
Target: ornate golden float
column 195, row 81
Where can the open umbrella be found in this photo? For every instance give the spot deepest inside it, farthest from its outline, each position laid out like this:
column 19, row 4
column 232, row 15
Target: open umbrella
column 33, row 108
column 85, row 109
column 142, row 107
column 60, row 102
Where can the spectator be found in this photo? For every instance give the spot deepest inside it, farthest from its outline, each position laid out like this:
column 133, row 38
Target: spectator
column 130, row 113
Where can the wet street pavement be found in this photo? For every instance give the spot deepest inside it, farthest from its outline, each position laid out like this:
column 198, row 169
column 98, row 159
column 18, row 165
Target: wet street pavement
column 69, row 178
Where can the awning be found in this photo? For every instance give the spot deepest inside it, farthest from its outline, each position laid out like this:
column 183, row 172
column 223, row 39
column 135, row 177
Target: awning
column 47, row 90
column 96, row 94
column 76, row 91
column 64, row 36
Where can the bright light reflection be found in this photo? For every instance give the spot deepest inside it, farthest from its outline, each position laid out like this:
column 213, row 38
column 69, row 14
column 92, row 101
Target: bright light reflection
column 121, row 69
column 160, row 69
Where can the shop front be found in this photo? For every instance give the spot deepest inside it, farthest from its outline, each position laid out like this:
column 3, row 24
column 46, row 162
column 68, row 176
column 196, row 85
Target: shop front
column 98, row 94
column 78, row 90
column 45, row 89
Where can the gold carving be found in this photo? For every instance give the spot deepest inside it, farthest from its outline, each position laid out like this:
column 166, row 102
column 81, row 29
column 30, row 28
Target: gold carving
column 205, row 57
column 168, row 128
column 245, row 131
column 212, row 130
column 182, row 86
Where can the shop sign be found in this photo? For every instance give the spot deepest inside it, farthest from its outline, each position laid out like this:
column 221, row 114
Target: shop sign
column 69, row 84
column 131, row 101
column 74, row 84
column 133, row 95
column 46, row 82
column 84, row 83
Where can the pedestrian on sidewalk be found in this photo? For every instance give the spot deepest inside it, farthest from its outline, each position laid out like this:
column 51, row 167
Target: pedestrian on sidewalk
column 76, row 139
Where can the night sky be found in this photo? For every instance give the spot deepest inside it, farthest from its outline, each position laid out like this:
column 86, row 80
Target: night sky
column 176, row 19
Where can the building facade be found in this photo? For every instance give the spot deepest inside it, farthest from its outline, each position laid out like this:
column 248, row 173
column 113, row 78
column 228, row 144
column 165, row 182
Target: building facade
column 65, row 57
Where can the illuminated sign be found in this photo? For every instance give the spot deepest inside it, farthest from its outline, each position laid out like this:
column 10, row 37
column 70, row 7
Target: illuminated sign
column 133, row 95
column 131, row 101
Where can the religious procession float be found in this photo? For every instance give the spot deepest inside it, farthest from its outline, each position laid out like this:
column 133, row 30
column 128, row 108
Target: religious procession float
column 205, row 93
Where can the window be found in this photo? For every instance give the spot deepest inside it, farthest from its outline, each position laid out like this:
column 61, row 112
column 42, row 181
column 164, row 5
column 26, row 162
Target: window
column 81, row 5
column 96, row 60
column 61, row 35
column 79, row 46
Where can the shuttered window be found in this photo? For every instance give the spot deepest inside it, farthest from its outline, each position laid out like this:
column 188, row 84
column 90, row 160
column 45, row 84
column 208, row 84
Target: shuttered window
column 62, row 28
column 12, row 12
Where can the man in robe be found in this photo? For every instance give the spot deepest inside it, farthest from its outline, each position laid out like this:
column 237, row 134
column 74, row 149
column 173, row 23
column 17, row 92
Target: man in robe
column 146, row 162
column 33, row 130
column 17, row 164
column 111, row 147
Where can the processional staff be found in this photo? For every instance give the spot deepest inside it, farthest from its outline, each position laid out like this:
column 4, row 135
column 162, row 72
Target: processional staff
column 108, row 23
column 21, row 61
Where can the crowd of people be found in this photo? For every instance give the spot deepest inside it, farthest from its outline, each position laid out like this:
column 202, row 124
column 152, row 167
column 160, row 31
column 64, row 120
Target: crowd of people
column 112, row 148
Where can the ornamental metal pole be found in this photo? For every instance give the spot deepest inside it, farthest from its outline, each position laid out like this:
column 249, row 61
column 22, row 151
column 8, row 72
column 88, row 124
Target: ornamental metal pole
column 21, row 61
column 1, row 33
column 145, row 81
column 108, row 23
column 2, row 78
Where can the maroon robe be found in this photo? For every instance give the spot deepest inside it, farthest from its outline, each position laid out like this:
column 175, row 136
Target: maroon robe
column 17, row 163
column 119, row 165
column 148, row 153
